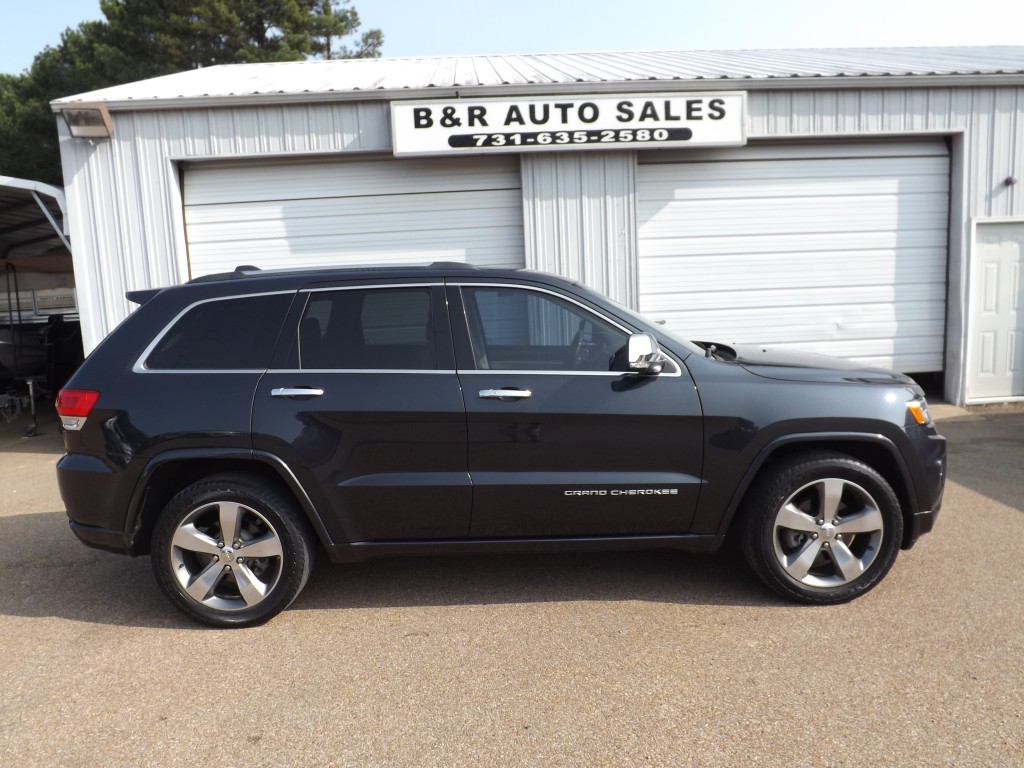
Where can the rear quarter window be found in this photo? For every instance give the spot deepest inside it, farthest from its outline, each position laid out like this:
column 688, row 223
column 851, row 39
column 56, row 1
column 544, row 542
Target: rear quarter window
column 223, row 335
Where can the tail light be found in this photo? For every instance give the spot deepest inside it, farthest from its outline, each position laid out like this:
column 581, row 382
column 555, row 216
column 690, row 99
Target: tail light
column 74, row 406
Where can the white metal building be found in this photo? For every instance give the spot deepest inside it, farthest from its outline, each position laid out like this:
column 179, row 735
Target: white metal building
column 862, row 203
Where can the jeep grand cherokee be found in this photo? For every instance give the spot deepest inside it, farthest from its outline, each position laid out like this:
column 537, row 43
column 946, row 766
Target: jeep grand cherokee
column 232, row 424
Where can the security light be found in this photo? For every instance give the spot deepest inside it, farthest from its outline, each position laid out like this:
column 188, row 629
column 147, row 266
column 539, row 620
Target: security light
column 89, row 121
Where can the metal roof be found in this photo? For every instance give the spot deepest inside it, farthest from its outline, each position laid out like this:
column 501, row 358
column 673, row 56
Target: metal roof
column 33, row 219
column 405, row 77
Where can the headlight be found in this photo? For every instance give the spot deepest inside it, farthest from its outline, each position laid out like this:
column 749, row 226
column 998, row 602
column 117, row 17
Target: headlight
column 919, row 411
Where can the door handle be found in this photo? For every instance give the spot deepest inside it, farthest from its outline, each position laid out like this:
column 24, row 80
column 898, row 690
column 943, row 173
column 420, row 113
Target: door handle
column 296, row 392
column 502, row 394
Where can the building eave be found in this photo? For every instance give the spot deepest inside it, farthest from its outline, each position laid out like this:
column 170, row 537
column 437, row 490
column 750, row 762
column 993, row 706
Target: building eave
column 792, row 83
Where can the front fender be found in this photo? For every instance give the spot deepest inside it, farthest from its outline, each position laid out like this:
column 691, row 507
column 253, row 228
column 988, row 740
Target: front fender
column 823, row 440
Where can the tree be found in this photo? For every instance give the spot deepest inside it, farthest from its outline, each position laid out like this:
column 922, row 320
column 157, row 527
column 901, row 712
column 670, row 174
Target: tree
column 175, row 35
column 332, row 22
column 140, row 39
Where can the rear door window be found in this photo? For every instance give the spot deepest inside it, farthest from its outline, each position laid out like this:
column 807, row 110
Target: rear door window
column 368, row 329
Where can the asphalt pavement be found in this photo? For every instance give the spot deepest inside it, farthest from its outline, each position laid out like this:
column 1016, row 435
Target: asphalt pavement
column 638, row 659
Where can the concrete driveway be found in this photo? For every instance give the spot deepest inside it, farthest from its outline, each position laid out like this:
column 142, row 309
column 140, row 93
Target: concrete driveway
column 652, row 659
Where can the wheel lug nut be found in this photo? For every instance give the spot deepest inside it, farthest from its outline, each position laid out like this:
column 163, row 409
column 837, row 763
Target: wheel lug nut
column 220, row 543
column 814, row 535
column 820, row 521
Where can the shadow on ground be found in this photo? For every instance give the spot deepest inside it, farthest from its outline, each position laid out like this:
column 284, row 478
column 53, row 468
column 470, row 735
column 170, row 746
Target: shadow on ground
column 986, row 453
column 47, row 572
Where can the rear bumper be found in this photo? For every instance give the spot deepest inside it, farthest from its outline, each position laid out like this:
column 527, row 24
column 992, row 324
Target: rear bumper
column 101, row 538
column 91, row 490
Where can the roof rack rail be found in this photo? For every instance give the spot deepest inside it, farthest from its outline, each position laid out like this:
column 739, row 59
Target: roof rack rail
column 452, row 265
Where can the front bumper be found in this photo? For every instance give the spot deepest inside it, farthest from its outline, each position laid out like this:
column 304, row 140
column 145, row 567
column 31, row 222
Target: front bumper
column 933, row 452
column 920, row 524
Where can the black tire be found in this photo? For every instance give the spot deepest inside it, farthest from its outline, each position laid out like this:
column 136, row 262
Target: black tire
column 822, row 528
column 244, row 579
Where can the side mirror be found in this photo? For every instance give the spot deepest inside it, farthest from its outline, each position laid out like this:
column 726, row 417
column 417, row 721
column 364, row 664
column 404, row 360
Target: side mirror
column 644, row 355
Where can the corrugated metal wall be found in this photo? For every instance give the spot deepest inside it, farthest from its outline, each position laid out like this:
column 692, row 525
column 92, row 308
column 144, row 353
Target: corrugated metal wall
column 580, row 219
column 125, row 200
column 991, row 118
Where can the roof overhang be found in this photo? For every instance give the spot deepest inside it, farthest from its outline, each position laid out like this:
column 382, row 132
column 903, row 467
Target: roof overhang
column 279, row 83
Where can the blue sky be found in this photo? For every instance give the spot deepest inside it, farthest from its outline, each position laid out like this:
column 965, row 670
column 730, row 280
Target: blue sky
column 440, row 27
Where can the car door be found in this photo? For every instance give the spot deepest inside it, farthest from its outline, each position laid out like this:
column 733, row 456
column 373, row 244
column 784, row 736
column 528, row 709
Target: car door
column 563, row 439
column 368, row 413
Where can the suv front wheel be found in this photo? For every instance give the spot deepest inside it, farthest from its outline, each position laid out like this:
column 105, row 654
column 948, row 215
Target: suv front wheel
column 231, row 551
column 822, row 529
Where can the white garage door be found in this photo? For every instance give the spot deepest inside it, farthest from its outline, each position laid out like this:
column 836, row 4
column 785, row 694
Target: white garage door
column 379, row 211
column 837, row 248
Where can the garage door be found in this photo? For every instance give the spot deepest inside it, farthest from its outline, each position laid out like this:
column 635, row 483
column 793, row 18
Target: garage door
column 837, row 248
column 379, row 211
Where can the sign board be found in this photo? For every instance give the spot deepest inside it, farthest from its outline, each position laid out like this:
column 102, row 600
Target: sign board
column 544, row 124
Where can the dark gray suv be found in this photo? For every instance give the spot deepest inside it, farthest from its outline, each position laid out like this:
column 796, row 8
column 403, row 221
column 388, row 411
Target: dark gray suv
column 233, row 425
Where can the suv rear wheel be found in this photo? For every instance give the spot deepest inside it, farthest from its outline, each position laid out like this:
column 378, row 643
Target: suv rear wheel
column 231, row 551
column 823, row 529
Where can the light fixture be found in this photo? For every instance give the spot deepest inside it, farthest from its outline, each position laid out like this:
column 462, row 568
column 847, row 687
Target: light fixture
column 88, row 121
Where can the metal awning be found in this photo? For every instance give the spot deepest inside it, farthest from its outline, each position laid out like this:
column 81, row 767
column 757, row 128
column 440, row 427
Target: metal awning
column 33, row 226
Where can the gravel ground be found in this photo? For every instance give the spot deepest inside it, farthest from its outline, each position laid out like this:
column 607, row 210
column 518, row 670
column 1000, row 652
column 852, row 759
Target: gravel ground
column 652, row 659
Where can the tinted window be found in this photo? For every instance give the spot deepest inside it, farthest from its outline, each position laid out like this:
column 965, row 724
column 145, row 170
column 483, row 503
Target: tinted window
column 514, row 329
column 228, row 334
column 379, row 328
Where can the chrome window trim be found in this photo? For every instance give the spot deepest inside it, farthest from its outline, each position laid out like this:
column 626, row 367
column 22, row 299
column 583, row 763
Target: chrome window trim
column 261, row 371
column 297, row 371
column 140, row 364
column 676, row 373
column 511, row 371
column 194, row 371
column 371, row 286
column 140, row 367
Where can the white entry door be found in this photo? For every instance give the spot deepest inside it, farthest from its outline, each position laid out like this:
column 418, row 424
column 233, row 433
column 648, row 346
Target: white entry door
column 996, row 355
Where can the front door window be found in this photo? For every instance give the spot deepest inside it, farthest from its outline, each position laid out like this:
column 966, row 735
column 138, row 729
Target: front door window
column 517, row 330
